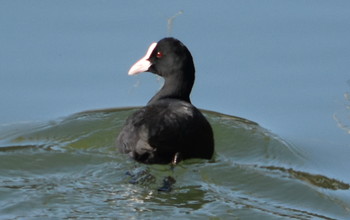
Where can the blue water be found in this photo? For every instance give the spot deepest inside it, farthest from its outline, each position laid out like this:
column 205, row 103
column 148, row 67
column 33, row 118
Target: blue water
column 282, row 64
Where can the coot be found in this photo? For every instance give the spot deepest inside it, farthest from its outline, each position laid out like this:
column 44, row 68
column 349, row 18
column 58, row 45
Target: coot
column 169, row 128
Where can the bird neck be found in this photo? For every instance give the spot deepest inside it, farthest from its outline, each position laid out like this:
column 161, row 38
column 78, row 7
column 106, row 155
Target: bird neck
column 176, row 86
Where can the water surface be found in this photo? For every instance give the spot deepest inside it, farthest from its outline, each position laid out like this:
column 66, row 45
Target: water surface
column 70, row 168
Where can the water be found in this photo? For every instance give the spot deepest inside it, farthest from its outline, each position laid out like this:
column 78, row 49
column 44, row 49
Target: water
column 70, row 169
column 284, row 65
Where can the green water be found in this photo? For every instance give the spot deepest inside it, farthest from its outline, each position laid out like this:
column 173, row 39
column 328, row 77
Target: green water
column 69, row 168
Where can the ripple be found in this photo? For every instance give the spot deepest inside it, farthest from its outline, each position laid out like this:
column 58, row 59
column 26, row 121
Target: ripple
column 69, row 168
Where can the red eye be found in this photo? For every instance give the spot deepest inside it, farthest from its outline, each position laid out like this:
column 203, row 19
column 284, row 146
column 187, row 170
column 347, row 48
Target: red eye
column 159, row 54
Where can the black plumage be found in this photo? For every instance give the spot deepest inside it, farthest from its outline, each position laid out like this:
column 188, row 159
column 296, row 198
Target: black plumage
column 169, row 128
